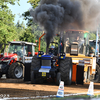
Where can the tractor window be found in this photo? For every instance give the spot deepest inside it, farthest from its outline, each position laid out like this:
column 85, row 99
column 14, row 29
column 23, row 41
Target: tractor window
column 92, row 47
column 28, row 49
column 81, row 48
column 74, row 37
column 92, row 44
column 53, row 48
column 14, row 49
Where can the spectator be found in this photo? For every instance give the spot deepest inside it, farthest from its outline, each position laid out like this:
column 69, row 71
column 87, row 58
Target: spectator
column 51, row 51
column 92, row 51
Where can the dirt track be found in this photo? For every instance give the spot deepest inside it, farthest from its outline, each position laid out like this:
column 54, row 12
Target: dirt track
column 18, row 88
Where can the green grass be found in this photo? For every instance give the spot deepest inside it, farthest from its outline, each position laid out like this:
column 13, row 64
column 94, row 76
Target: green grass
column 71, row 97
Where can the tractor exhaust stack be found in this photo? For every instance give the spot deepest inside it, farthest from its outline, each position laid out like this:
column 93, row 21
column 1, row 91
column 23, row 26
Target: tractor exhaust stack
column 47, row 50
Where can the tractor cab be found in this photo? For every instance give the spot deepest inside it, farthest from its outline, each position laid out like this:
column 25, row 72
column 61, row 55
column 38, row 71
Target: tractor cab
column 75, row 42
column 20, row 49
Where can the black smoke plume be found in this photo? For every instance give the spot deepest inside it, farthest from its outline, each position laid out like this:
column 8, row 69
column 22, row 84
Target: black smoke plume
column 61, row 15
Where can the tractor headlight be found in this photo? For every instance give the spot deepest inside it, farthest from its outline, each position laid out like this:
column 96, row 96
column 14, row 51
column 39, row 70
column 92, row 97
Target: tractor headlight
column 40, row 53
column 62, row 54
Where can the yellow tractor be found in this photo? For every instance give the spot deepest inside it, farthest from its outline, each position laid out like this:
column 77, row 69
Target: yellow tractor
column 84, row 64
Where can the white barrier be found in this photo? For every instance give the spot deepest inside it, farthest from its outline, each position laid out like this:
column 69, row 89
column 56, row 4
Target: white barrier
column 91, row 89
column 60, row 92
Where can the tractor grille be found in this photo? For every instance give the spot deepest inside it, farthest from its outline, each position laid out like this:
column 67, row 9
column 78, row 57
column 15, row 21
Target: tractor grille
column 46, row 62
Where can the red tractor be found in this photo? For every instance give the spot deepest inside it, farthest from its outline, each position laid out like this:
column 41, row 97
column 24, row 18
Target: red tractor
column 16, row 60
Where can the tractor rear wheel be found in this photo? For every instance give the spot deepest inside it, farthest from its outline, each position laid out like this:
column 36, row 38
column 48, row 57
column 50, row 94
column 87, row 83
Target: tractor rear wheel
column 97, row 75
column 35, row 65
column 27, row 72
column 16, row 70
column 66, row 70
column 33, row 80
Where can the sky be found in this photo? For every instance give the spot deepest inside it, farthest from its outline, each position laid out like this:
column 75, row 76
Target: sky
column 18, row 10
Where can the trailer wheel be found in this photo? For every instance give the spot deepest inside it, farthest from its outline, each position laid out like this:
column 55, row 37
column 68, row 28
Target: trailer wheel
column 58, row 79
column 16, row 70
column 66, row 70
column 97, row 75
column 35, row 65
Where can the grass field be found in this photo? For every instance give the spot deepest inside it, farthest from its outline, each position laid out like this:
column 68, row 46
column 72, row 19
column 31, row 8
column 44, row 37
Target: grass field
column 81, row 97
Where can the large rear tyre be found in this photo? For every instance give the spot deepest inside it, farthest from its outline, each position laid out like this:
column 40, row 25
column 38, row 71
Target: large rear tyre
column 35, row 65
column 16, row 70
column 33, row 80
column 97, row 75
column 66, row 70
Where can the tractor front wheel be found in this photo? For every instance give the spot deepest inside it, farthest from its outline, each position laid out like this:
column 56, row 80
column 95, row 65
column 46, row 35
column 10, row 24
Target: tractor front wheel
column 66, row 70
column 35, row 65
column 16, row 70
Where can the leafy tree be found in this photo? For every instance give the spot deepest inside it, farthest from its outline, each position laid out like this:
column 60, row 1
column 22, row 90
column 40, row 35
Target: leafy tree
column 7, row 28
column 32, row 34
column 35, row 29
column 20, row 29
column 27, row 35
column 34, row 3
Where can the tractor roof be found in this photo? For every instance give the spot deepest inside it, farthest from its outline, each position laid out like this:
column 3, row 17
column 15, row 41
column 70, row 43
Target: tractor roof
column 22, row 43
column 82, row 31
column 93, row 40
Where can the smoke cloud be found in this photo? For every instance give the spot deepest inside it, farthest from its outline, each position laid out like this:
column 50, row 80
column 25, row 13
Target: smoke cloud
column 61, row 15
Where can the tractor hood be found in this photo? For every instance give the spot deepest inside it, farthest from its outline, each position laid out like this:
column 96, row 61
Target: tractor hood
column 8, row 57
column 46, row 57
